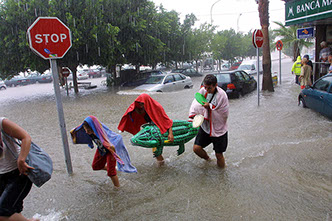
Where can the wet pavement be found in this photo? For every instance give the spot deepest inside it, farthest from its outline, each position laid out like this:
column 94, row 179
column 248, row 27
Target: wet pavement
column 278, row 160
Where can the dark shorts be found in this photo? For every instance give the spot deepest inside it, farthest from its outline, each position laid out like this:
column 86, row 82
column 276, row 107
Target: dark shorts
column 219, row 143
column 13, row 189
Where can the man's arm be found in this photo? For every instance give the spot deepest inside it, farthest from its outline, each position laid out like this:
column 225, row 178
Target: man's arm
column 18, row 132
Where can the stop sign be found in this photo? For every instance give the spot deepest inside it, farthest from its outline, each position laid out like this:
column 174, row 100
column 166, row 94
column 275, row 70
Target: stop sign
column 49, row 37
column 65, row 72
column 257, row 38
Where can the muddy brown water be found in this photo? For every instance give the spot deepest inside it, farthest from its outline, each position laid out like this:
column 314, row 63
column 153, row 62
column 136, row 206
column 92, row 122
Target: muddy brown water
column 279, row 163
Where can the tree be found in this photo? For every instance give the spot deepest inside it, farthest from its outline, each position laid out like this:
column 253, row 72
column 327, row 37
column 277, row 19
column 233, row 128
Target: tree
column 263, row 9
column 289, row 39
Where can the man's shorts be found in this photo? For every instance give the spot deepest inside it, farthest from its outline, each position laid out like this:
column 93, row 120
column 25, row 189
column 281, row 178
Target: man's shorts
column 219, row 143
column 13, row 189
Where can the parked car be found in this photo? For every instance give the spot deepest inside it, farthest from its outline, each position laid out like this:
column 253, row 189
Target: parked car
column 191, row 72
column 2, row 85
column 167, row 82
column 94, row 73
column 139, row 79
column 318, row 97
column 17, row 80
column 250, row 67
column 40, row 78
column 235, row 65
column 235, row 82
column 80, row 74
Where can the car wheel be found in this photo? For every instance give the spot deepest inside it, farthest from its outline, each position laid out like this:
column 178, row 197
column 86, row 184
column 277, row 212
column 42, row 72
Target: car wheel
column 302, row 102
column 159, row 91
column 2, row 88
column 186, row 87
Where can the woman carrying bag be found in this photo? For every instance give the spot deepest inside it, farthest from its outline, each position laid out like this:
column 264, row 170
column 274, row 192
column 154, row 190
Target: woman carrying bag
column 14, row 182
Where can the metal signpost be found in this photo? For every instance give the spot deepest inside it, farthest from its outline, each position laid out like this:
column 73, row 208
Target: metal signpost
column 279, row 46
column 257, row 40
column 65, row 73
column 51, row 39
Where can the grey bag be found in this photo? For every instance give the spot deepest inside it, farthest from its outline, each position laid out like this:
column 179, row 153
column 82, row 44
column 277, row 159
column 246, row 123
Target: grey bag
column 38, row 159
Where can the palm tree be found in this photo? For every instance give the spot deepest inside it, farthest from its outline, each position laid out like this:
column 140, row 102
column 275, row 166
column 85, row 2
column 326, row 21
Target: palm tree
column 289, row 38
column 263, row 9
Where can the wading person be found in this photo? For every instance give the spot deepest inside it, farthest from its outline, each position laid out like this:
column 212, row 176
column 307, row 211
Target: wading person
column 305, row 76
column 214, row 128
column 110, row 148
column 146, row 110
column 296, row 69
column 14, row 182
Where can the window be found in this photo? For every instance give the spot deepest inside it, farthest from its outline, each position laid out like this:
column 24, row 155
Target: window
column 245, row 75
column 177, row 77
column 223, row 78
column 323, row 84
column 169, row 79
column 239, row 76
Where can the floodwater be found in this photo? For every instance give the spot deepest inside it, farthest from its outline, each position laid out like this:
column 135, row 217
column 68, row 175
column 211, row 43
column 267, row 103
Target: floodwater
column 279, row 163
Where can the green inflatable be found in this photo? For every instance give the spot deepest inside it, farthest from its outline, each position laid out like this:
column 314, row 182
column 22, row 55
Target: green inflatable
column 150, row 137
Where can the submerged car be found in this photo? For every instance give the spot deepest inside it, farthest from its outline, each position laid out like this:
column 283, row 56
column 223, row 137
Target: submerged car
column 235, row 82
column 167, row 82
column 35, row 77
column 318, row 97
column 191, row 72
column 17, row 80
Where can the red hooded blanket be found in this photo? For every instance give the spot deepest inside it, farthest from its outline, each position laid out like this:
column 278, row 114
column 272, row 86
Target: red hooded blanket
column 131, row 121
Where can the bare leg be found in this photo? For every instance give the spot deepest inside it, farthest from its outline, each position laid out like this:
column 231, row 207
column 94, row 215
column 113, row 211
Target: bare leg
column 199, row 151
column 160, row 160
column 115, row 181
column 16, row 217
column 220, row 160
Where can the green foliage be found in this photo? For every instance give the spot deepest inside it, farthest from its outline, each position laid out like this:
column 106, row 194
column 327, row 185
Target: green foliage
column 292, row 44
column 111, row 32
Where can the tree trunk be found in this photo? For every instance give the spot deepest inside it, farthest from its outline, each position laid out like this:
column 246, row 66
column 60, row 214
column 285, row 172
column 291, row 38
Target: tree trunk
column 263, row 8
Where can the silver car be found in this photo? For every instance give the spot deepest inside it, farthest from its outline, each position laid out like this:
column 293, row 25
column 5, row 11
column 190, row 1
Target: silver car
column 167, row 82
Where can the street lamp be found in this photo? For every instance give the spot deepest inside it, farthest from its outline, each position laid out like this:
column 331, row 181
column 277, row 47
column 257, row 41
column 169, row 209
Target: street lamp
column 238, row 18
column 211, row 9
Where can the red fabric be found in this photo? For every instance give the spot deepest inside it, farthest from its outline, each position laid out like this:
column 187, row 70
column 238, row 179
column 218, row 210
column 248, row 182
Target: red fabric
column 99, row 163
column 155, row 111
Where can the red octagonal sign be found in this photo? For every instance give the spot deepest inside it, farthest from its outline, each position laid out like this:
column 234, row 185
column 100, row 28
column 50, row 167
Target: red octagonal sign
column 49, row 37
column 257, row 38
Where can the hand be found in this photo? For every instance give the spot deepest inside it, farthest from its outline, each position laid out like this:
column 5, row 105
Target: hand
column 23, row 167
column 206, row 105
column 171, row 137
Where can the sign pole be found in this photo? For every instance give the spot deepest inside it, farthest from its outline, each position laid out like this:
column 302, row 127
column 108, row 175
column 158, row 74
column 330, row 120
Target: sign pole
column 62, row 123
column 257, row 51
column 280, row 67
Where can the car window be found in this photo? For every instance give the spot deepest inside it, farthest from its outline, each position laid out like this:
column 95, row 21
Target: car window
column 182, row 76
column 177, row 77
column 323, row 84
column 239, row 76
column 223, row 78
column 169, row 79
column 155, row 79
column 245, row 75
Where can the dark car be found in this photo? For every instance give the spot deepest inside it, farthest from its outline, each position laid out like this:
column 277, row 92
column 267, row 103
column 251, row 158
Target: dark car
column 191, row 72
column 235, row 82
column 318, row 97
column 17, row 80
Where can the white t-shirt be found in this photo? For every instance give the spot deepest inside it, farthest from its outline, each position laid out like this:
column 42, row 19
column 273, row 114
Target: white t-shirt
column 7, row 160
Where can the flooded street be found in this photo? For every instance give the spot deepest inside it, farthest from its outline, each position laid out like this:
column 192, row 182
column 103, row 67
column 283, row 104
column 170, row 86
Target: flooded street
column 278, row 159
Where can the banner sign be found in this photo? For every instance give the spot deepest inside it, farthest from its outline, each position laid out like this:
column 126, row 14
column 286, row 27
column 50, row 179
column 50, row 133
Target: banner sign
column 301, row 11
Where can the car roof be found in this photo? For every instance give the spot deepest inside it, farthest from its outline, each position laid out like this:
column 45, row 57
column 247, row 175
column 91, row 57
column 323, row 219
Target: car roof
column 227, row 72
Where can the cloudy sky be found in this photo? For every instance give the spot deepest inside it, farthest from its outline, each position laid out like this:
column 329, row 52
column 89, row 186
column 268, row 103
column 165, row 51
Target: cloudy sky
column 241, row 15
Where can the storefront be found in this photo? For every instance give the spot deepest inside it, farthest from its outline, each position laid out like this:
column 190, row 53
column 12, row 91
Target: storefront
column 311, row 13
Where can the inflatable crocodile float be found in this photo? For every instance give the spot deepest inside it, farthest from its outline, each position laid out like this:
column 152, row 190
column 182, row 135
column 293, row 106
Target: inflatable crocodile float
column 150, row 137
